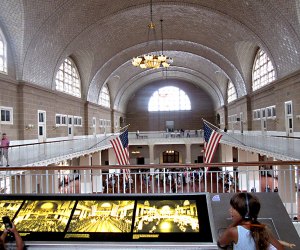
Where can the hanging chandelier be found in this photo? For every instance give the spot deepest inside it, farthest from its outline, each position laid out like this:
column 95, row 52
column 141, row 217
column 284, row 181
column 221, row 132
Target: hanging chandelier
column 156, row 60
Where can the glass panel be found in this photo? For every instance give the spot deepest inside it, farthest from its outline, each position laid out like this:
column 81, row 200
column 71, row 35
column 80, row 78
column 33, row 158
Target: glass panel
column 41, row 130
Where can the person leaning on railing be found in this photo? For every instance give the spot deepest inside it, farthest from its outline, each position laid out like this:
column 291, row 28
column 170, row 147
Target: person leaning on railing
column 18, row 239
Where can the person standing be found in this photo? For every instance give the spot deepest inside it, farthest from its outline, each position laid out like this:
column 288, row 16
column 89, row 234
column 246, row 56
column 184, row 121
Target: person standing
column 4, row 149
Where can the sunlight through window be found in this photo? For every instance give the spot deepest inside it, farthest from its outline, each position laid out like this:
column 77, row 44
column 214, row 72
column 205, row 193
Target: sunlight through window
column 263, row 72
column 169, row 99
column 67, row 78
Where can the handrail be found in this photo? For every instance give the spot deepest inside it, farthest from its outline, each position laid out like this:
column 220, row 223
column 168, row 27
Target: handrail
column 157, row 166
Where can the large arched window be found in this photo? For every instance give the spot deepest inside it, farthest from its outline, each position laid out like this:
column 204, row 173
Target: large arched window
column 231, row 92
column 263, row 71
column 67, row 78
column 3, row 58
column 169, row 99
column 104, row 98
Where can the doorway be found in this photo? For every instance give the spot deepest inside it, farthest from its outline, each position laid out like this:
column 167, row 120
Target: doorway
column 41, row 125
column 70, row 126
column 289, row 118
column 171, row 156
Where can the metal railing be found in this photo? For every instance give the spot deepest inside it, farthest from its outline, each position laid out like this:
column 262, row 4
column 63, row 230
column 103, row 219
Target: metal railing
column 45, row 153
column 283, row 177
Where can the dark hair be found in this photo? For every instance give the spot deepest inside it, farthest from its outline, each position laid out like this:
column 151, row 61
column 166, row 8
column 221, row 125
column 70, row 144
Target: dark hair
column 248, row 206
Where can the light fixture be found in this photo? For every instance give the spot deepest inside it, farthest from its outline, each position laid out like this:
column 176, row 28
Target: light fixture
column 55, row 127
column 135, row 152
column 154, row 61
column 29, row 126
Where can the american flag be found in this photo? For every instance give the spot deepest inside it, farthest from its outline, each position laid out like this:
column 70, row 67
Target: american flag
column 212, row 139
column 120, row 146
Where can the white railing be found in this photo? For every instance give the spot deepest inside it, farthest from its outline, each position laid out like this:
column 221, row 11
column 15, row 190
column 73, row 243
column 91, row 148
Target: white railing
column 152, row 179
column 41, row 154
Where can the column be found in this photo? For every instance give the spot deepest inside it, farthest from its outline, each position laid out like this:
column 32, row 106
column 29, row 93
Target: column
column 85, row 175
column 286, row 187
column 248, row 175
column 188, row 153
column 226, row 153
column 151, row 153
column 97, row 173
column 113, row 161
column 152, row 170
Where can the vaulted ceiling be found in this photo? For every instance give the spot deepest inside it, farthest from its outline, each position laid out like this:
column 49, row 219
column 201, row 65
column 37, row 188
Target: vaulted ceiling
column 211, row 42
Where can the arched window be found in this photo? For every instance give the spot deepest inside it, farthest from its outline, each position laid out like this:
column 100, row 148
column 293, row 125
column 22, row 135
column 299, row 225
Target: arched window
column 263, row 71
column 67, row 78
column 231, row 92
column 104, row 98
column 169, row 99
column 3, row 59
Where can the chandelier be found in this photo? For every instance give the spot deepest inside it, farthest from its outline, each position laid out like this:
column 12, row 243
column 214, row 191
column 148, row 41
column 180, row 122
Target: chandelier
column 156, row 60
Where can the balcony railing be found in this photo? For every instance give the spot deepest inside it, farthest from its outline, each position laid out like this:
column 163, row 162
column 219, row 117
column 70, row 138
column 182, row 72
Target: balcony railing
column 149, row 179
column 45, row 153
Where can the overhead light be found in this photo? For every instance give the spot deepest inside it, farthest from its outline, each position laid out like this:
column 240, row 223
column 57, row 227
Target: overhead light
column 135, row 152
column 157, row 60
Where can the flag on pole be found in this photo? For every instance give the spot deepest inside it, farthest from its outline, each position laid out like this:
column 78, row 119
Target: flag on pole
column 212, row 139
column 120, row 146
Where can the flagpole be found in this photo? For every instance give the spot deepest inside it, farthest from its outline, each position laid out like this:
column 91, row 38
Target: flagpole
column 219, row 130
column 122, row 128
column 211, row 124
column 106, row 137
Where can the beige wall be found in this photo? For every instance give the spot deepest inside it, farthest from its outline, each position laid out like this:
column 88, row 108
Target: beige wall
column 27, row 99
column 140, row 119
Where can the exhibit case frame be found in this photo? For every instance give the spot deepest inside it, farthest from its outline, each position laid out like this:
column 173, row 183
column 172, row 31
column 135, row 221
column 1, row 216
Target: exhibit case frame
column 114, row 221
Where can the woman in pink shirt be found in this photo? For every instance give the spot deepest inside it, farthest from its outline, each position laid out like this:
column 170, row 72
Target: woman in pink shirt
column 4, row 148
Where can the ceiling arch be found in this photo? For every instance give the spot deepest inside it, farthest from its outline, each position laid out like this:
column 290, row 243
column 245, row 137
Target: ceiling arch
column 203, row 37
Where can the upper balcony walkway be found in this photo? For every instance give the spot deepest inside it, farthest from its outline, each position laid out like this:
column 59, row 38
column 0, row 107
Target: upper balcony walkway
column 51, row 152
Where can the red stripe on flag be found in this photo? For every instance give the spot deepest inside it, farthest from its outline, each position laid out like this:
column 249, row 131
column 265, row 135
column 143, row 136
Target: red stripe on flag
column 211, row 146
column 122, row 154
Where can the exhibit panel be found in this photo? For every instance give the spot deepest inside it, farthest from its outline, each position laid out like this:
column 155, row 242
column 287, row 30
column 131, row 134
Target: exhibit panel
column 133, row 220
column 166, row 221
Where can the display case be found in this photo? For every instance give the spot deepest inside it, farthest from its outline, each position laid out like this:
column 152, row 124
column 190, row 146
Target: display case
column 111, row 218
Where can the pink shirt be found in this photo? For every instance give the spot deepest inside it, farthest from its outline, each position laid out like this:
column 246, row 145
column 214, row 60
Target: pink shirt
column 4, row 143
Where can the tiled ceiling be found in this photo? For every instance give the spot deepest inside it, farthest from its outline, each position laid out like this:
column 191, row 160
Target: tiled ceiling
column 211, row 41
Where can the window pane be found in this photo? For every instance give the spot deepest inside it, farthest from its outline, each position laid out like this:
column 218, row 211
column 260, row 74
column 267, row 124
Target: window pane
column 3, row 115
column 67, row 79
column 231, row 92
column 263, row 71
column 7, row 115
column 169, row 99
column 3, row 59
column 104, row 98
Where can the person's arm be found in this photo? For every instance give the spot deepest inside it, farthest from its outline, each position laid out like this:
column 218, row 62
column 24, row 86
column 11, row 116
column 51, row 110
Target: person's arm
column 18, row 238
column 286, row 244
column 3, row 235
column 228, row 236
column 276, row 243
